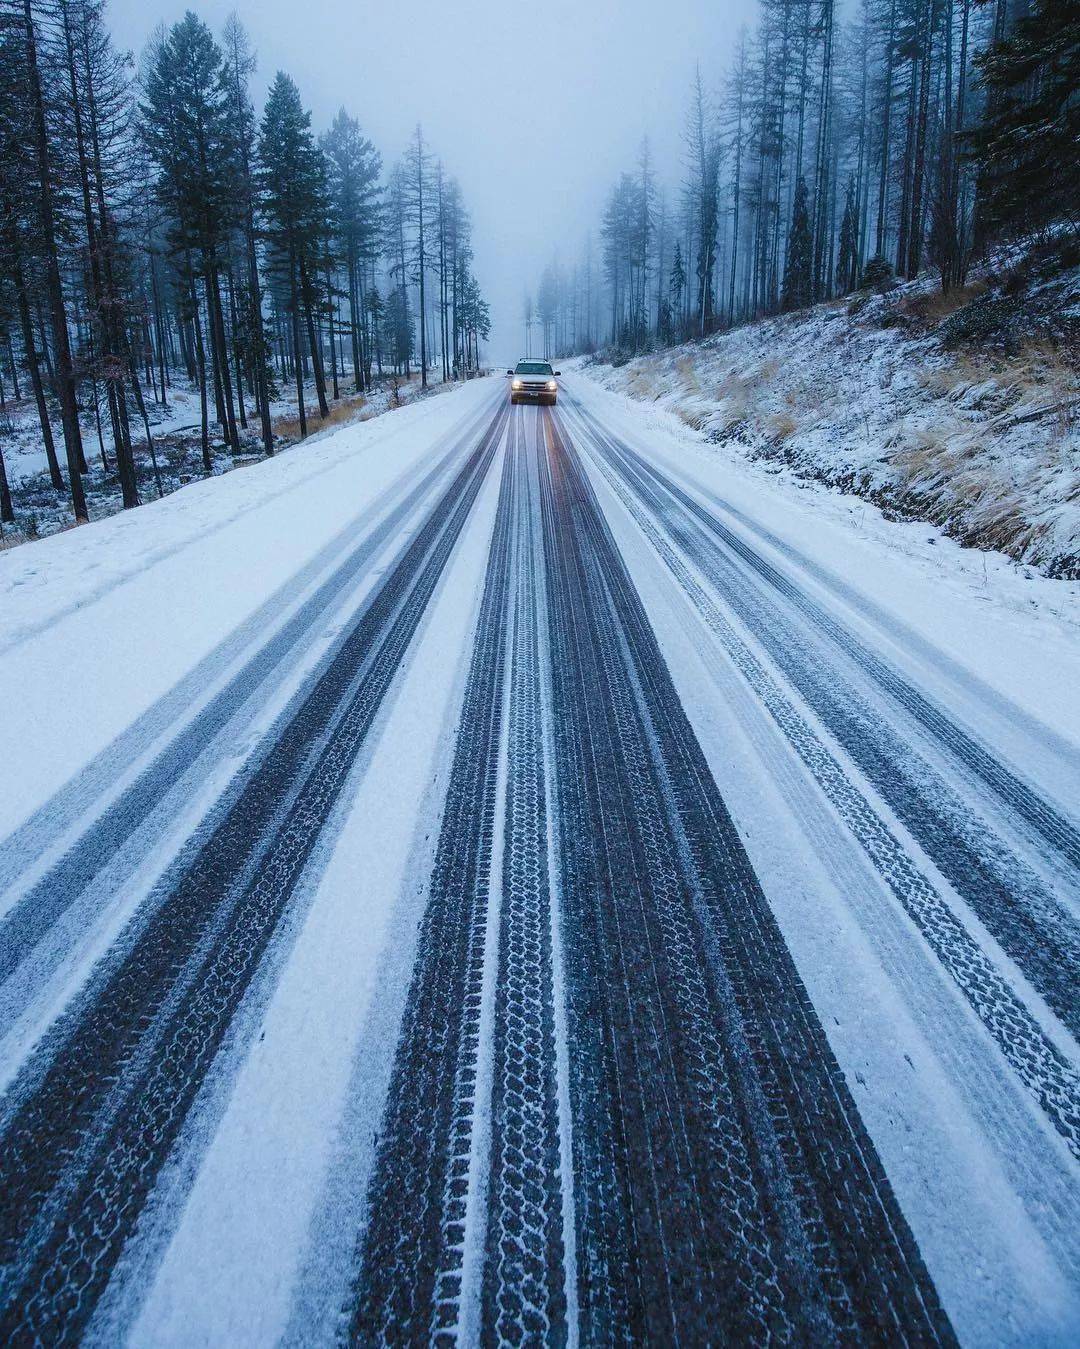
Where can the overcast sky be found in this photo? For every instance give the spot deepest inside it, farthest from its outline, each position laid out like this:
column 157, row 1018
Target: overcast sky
column 536, row 108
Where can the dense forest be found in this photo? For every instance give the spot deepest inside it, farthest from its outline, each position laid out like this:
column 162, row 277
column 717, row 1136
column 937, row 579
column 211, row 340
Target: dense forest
column 157, row 231
column 845, row 145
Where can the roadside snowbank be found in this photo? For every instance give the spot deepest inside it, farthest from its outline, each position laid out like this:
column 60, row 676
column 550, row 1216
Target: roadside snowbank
column 99, row 622
column 41, row 510
column 964, row 412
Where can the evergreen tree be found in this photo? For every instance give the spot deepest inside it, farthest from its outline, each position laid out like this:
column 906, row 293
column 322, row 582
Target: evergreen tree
column 847, row 268
column 239, row 65
column 46, row 226
column 353, row 167
column 21, row 263
column 1028, row 148
column 798, row 266
column 294, row 212
column 416, row 201
column 677, row 282
column 546, row 307
column 187, row 126
column 397, row 326
column 373, row 303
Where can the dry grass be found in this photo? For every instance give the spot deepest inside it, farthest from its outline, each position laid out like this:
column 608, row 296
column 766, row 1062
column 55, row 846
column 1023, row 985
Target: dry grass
column 1046, row 370
column 955, row 487
column 953, row 378
column 695, row 418
column 643, row 383
column 929, row 455
column 933, row 306
column 736, row 392
column 781, row 426
column 341, row 412
column 688, row 373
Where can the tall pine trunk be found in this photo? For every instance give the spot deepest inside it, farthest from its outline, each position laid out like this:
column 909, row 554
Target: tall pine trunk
column 7, row 512
column 65, row 369
column 200, row 366
column 55, row 476
column 294, row 309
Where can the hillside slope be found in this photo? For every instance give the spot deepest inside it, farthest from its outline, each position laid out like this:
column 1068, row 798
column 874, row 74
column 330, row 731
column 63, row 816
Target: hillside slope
column 964, row 411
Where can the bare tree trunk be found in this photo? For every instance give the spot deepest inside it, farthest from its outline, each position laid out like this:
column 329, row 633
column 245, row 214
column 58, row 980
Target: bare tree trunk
column 7, row 511
column 69, row 408
column 306, row 292
column 237, row 353
column 295, row 311
column 200, row 364
column 216, row 318
column 55, row 476
column 141, row 404
column 423, row 323
column 16, row 394
column 332, row 304
column 886, row 124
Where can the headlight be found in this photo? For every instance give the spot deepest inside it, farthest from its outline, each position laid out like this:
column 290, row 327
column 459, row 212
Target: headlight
column 552, row 385
column 515, row 384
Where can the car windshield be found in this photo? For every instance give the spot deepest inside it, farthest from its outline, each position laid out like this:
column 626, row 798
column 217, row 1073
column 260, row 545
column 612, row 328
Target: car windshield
column 533, row 368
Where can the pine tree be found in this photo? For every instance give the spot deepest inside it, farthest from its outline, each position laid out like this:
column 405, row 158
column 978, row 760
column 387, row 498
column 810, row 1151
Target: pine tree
column 294, row 212
column 47, row 225
column 546, row 306
column 704, row 150
column 20, row 240
column 98, row 109
column 847, row 269
column 397, row 325
column 1026, row 149
column 676, row 283
column 239, row 65
column 417, row 193
column 187, row 129
column 353, row 167
column 373, row 303
column 798, row 267
column 527, row 320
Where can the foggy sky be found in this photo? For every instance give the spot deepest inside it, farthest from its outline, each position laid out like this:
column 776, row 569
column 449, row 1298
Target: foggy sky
column 535, row 108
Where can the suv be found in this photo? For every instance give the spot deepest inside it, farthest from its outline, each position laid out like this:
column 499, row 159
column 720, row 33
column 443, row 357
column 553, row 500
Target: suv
column 533, row 382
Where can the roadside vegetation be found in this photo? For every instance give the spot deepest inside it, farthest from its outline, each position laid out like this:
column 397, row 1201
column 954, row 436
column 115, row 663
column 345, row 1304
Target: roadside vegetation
column 187, row 282
column 963, row 410
column 866, row 266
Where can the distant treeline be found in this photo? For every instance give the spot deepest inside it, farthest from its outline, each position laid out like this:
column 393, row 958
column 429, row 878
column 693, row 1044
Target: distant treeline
column 835, row 154
column 153, row 226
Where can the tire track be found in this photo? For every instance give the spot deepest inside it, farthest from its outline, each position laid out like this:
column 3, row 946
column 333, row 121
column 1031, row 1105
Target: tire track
column 1037, row 1062
column 88, row 1125
column 115, row 830
column 1039, row 815
column 722, row 1176
column 1017, row 910
column 524, row 1298
column 411, row 1253
column 21, row 849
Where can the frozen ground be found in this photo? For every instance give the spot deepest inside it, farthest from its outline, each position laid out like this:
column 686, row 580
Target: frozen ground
column 176, row 434
column 962, row 411
column 539, row 876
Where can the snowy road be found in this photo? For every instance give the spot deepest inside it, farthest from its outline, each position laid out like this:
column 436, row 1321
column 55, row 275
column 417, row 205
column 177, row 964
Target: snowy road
column 494, row 879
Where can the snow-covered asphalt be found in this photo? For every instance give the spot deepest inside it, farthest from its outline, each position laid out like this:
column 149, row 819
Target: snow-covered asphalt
column 498, row 875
